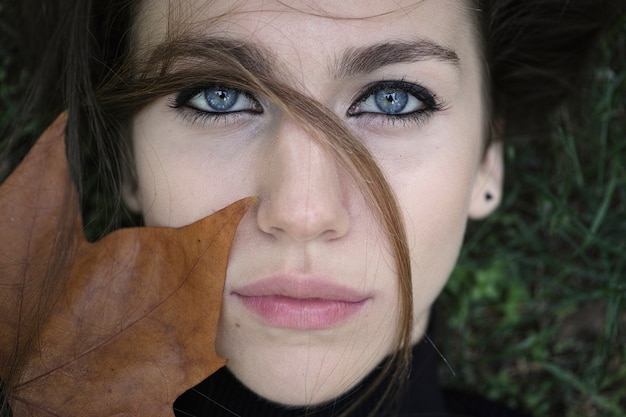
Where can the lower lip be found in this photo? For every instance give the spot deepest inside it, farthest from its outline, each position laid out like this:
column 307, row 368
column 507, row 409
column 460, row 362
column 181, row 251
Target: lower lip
column 301, row 314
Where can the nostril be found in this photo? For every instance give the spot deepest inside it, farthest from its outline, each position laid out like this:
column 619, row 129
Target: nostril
column 303, row 217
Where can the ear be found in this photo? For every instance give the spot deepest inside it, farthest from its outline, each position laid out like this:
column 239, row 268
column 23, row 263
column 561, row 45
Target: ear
column 487, row 190
column 130, row 193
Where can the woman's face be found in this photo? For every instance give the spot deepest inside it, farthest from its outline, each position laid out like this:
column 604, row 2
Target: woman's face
column 311, row 298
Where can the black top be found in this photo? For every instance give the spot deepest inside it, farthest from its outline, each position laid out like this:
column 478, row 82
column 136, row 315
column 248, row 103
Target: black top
column 222, row 395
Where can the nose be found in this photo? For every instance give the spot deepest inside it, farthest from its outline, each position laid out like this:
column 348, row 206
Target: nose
column 303, row 194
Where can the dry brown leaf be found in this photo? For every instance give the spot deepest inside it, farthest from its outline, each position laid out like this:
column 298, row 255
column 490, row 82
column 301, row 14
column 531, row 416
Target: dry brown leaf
column 120, row 327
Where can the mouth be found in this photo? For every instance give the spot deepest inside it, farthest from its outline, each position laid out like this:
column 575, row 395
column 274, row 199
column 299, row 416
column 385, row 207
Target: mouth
column 311, row 304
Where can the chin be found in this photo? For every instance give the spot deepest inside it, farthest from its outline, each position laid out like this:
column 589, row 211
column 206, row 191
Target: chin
column 302, row 368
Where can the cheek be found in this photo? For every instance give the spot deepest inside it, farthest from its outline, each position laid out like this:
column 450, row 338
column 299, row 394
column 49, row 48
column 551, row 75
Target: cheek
column 181, row 175
column 162, row 193
column 434, row 199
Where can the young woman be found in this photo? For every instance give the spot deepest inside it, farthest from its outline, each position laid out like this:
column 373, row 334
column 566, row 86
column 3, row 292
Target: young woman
column 370, row 133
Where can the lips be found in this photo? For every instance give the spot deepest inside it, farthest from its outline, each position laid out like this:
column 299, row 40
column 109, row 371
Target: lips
column 309, row 304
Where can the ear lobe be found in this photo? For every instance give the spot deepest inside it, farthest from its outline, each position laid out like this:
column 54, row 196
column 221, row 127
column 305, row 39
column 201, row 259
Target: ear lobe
column 487, row 191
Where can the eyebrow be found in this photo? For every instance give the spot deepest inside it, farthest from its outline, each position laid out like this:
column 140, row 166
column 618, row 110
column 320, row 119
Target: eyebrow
column 251, row 56
column 368, row 59
column 353, row 61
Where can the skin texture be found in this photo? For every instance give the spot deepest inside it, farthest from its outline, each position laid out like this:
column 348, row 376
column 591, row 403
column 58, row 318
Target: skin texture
column 311, row 224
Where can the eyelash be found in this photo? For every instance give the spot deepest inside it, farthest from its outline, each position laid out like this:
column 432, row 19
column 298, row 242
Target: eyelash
column 429, row 101
column 193, row 115
column 429, row 104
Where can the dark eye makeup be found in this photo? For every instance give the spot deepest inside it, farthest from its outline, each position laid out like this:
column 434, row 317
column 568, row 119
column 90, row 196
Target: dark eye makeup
column 385, row 101
column 398, row 99
column 211, row 103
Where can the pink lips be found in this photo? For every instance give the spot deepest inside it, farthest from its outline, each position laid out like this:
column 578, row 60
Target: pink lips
column 311, row 304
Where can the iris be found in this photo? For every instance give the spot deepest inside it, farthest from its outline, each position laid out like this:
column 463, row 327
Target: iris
column 391, row 100
column 221, row 99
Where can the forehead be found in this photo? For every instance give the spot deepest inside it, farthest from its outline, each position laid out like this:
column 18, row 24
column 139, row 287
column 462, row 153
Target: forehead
column 320, row 29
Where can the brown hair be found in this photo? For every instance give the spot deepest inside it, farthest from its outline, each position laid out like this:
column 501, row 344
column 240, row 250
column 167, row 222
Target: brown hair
column 532, row 52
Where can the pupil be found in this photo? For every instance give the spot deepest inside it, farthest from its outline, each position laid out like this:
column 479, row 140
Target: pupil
column 221, row 99
column 391, row 101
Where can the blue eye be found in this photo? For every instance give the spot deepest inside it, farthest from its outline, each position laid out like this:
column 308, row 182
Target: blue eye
column 222, row 100
column 215, row 102
column 393, row 98
column 218, row 99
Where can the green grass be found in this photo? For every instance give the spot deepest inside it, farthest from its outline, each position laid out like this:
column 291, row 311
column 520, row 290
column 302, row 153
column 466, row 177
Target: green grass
column 534, row 313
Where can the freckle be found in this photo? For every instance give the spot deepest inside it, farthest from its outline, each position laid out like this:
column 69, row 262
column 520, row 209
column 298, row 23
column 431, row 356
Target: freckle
column 237, row 325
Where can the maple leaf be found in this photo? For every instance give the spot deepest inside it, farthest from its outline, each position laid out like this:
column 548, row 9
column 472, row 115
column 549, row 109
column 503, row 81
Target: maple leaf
column 118, row 327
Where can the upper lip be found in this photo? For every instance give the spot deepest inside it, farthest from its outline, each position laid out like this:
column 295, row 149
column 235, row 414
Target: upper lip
column 306, row 288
